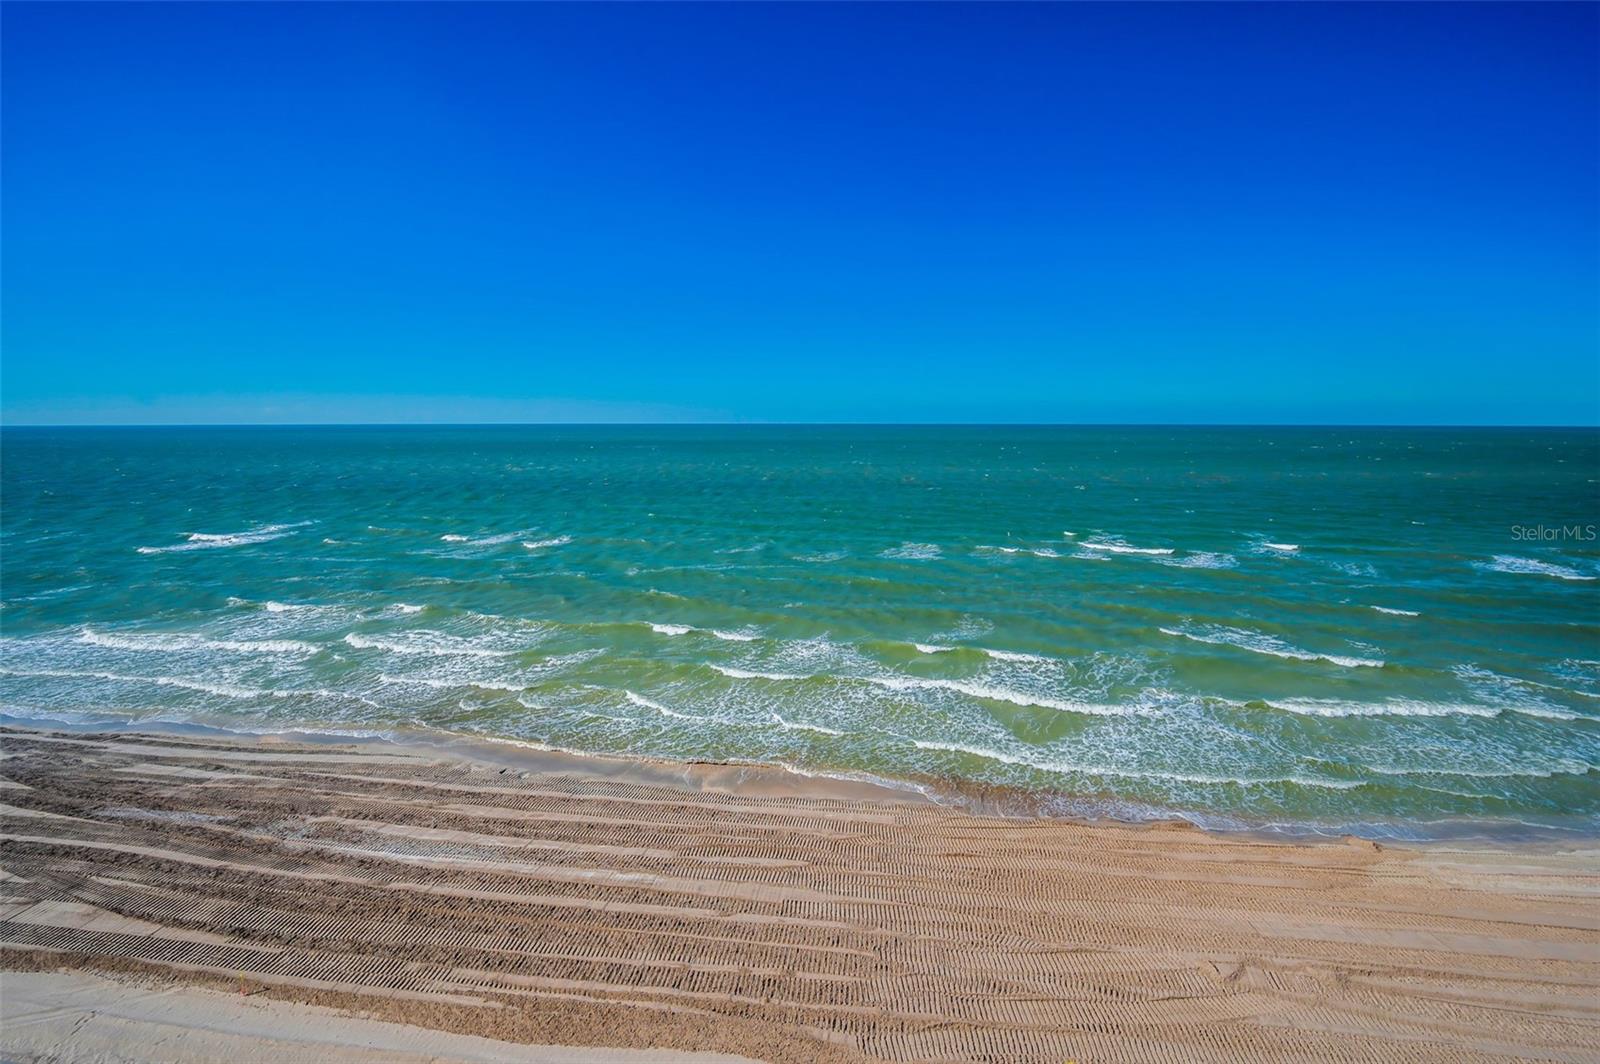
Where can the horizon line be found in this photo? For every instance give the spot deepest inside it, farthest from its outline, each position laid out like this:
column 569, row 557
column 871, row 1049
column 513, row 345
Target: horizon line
column 796, row 424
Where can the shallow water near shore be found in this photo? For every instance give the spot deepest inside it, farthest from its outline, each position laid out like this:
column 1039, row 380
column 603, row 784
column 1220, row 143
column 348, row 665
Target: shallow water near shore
column 1387, row 628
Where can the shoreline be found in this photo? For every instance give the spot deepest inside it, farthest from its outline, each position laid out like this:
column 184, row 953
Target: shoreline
column 773, row 778
column 538, row 905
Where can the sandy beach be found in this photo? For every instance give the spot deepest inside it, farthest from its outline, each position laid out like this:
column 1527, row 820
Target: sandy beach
column 182, row 897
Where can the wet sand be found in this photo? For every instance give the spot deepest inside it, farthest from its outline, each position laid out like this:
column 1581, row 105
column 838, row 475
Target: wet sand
column 548, row 901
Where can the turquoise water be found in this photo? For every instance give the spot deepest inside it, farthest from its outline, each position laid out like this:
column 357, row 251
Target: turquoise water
column 1313, row 628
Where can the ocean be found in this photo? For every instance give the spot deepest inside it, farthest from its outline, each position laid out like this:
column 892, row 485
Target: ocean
column 1390, row 631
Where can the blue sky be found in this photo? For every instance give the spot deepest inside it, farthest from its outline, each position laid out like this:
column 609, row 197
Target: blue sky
column 1039, row 213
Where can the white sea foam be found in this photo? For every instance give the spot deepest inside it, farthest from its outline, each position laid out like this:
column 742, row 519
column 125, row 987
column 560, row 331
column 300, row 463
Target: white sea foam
column 929, row 648
column 912, row 551
column 214, row 540
column 1015, row 655
column 1394, row 707
column 181, row 642
column 739, row 636
column 747, row 674
column 1561, row 768
column 483, row 541
column 451, row 683
column 1506, row 563
column 540, row 544
column 1003, row 694
column 796, row 726
column 1201, row 559
column 284, row 607
column 1513, row 693
column 423, row 643
column 223, row 689
column 1117, row 546
column 822, row 556
column 1131, row 773
column 406, row 607
column 1395, row 612
column 645, row 703
column 1259, row 643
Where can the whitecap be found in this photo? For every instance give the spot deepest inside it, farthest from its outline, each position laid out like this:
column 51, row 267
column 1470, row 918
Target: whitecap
column 1201, row 559
column 734, row 637
column 1396, row 612
column 214, row 540
column 1015, row 655
column 929, row 648
column 1286, row 548
column 222, row 689
column 1004, row 694
column 822, row 556
column 744, row 550
column 423, row 643
column 645, row 703
column 746, row 674
column 1513, row 692
column 1562, row 768
column 1506, row 563
column 450, row 683
column 1394, row 707
column 483, row 541
column 1260, row 643
column 912, row 551
column 796, row 726
column 669, row 629
column 1117, row 546
column 1133, row 773
column 406, row 607
column 540, row 544
column 180, row 642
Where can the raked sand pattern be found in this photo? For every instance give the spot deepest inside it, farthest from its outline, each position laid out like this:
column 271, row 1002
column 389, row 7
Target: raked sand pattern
column 560, row 905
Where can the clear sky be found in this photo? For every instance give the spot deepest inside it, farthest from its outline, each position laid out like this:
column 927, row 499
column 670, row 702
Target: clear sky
column 1172, row 212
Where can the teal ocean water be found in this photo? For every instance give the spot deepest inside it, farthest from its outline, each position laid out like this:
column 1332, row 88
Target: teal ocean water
column 1309, row 628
